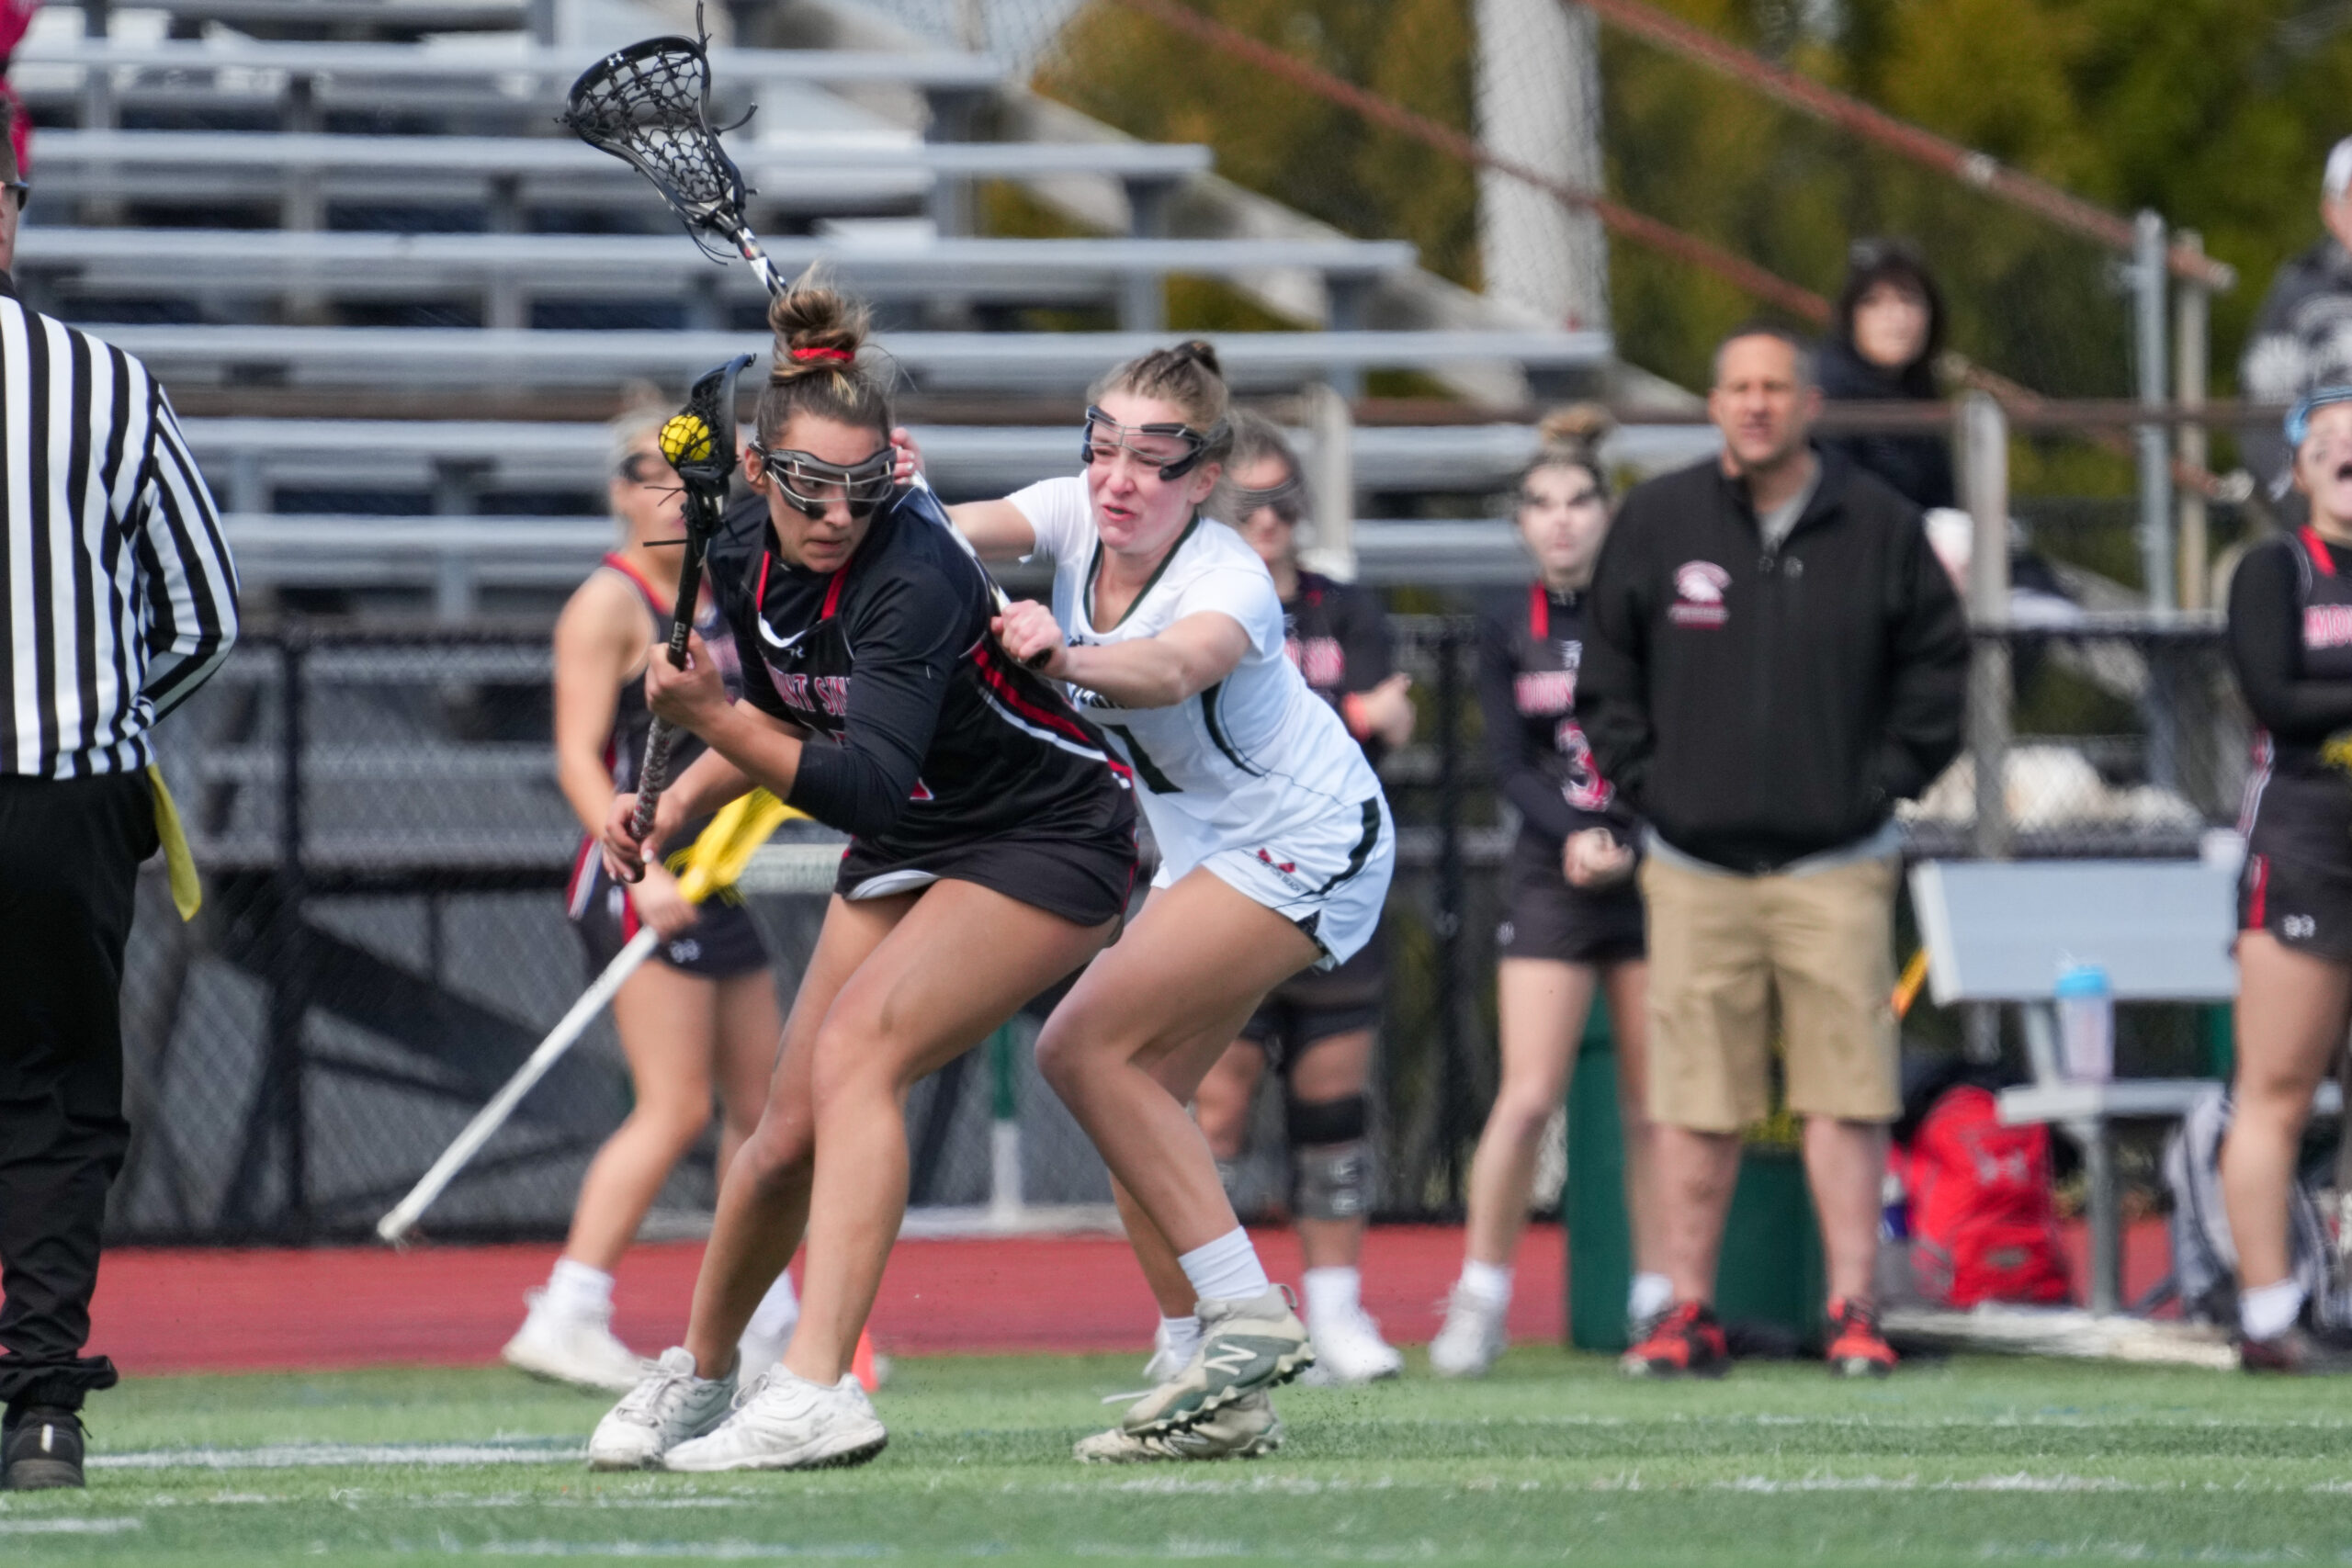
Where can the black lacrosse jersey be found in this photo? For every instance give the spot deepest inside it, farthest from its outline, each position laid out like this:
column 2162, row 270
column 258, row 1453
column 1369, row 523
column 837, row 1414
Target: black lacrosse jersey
column 1338, row 635
column 1531, row 645
column 2290, row 644
column 926, row 737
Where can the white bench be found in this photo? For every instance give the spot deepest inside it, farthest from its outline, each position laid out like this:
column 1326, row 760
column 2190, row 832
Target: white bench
column 1998, row 932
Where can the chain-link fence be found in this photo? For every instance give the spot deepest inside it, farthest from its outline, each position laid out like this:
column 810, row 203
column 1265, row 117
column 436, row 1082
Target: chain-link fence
column 384, row 938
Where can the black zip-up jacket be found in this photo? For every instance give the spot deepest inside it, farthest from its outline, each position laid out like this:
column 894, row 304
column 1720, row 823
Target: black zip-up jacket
column 1758, row 706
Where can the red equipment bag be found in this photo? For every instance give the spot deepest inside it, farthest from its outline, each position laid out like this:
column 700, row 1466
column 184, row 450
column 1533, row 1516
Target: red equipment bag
column 1984, row 1221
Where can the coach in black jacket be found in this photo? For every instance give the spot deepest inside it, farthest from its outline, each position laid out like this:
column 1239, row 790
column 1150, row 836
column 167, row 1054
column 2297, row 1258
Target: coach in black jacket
column 1772, row 658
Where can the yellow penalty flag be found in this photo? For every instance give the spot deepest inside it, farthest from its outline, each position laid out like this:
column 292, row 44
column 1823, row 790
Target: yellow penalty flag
column 188, row 893
column 723, row 850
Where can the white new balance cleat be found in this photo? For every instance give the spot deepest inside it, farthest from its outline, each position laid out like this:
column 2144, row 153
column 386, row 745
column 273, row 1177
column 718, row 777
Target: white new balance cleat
column 1247, row 1428
column 1247, row 1344
column 581, row 1351
column 1349, row 1351
column 1472, row 1337
column 785, row 1422
column 668, row 1407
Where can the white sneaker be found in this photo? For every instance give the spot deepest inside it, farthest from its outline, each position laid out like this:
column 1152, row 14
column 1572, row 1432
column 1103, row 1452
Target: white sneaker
column 1247, row 1344
column 581, row 1351
column 669, row 1405
column 1473, row 1336
column 784, row 1422
column 1247, row 1428
column 1349, row 1351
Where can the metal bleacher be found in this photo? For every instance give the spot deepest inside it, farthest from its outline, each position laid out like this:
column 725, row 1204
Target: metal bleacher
column 321, row 205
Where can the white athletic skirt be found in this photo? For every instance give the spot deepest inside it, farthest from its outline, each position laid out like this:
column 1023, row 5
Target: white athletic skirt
column 1328, row 875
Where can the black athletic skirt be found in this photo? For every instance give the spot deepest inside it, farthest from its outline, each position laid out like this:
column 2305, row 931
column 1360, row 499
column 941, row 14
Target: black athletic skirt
column 1085, row 881
column 1546, row 918
column 723, row 944
column 2307, row 906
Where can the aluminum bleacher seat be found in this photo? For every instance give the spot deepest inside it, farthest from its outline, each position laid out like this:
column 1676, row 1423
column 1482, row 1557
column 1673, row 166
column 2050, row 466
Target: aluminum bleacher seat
column 502, row 274
column 468, row 357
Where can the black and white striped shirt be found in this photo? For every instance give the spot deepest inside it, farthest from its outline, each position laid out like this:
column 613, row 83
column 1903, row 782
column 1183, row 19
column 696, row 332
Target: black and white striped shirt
column 117, row 593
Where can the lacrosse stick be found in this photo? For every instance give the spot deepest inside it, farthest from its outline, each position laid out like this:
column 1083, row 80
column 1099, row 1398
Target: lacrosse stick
column 699, row 443
column 649, row 105
column 715, row 861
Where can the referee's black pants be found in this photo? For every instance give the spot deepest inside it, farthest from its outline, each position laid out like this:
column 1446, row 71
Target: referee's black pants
column 69, row 861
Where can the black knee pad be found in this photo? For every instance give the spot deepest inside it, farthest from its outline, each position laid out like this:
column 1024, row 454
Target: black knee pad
column 1330, row 1158
column 1343, row 1120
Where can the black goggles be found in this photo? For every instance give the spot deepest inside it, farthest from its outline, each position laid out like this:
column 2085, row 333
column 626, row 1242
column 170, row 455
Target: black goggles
column 1174, row 449
column 1288, row 499
column 20, row 189
column 811, row 484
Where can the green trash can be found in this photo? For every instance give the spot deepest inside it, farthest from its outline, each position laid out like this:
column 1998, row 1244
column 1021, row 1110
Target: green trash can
column 1770, row 1270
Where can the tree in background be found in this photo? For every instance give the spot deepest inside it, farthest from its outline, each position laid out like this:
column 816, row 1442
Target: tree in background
column 2217, row 113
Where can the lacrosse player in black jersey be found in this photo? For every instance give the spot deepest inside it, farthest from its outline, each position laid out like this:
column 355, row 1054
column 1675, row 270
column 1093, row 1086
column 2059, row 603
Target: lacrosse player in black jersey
column 993, row 852
column 1572, row 923
column 1316, row 1028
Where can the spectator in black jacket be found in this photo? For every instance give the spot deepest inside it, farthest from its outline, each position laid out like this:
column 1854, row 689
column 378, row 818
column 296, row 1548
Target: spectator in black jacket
column 1772, row 658
column 2302, row 337
column 1882, row 348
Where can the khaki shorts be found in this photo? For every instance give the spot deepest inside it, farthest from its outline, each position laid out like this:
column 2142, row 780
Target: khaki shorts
column 1722, row 949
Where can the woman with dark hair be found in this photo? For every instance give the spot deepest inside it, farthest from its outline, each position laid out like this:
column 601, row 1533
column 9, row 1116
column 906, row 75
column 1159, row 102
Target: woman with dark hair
column 993, row 851
column 1882, row 347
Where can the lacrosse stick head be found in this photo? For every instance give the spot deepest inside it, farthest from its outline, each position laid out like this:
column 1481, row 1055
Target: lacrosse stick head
column 699, row 439
column 649, row 105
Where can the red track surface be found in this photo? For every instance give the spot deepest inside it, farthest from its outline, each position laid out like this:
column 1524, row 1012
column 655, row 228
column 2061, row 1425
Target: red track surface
column 220, row 1311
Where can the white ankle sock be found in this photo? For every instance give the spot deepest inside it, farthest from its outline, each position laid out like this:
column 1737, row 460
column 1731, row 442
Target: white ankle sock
column 778, row 1311
column 1182, row 1336
column 1331, row 1293
column 2268, row 1311
column 1226, row 1270
column 574, row 1290
column 1488, row 1283
column 1649, row 1295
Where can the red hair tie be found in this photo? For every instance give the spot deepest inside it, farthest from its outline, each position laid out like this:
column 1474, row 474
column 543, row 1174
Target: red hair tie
column 842, row 355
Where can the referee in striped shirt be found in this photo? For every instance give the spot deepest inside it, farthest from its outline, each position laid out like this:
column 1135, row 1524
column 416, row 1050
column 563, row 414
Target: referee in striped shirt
column 117, row 600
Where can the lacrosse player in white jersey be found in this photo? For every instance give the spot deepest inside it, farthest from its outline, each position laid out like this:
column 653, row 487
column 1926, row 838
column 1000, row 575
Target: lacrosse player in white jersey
column 1276, row 849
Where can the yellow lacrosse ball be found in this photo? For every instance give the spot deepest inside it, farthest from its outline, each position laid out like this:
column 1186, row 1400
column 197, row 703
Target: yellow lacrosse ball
column 685, row 439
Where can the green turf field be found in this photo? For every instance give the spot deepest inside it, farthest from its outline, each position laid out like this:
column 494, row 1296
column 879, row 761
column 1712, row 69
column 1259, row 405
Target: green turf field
column 1975, row 1461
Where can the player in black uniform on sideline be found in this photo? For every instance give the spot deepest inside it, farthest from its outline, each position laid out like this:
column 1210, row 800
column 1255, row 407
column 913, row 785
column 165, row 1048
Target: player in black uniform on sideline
column 2290, row 643
column 1572, row 916
column 1316, row 1028
column 702, row 1013
column 993, row 851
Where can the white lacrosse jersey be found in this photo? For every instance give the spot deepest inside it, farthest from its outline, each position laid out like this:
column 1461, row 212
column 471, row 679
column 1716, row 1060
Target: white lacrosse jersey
column 1257, row 758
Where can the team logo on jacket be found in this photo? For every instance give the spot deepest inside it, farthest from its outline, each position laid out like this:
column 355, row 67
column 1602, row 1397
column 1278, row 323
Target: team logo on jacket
column 1699, row 588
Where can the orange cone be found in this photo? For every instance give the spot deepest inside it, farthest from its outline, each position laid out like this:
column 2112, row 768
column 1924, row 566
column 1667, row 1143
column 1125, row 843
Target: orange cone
column 861, row 1363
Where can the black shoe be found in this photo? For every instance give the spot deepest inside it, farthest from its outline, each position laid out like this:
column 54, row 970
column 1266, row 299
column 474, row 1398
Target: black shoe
column 2298, row 1352
column 42, row 1449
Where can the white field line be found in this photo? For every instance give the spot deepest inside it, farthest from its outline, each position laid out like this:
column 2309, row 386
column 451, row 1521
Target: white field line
column 304, row 1456
column 116, row 1526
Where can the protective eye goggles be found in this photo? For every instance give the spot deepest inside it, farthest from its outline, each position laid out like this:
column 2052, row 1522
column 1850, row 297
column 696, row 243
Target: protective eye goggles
column 1288, row 499
column 2299, row 418
column 1174, row 449
column 811, row 484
